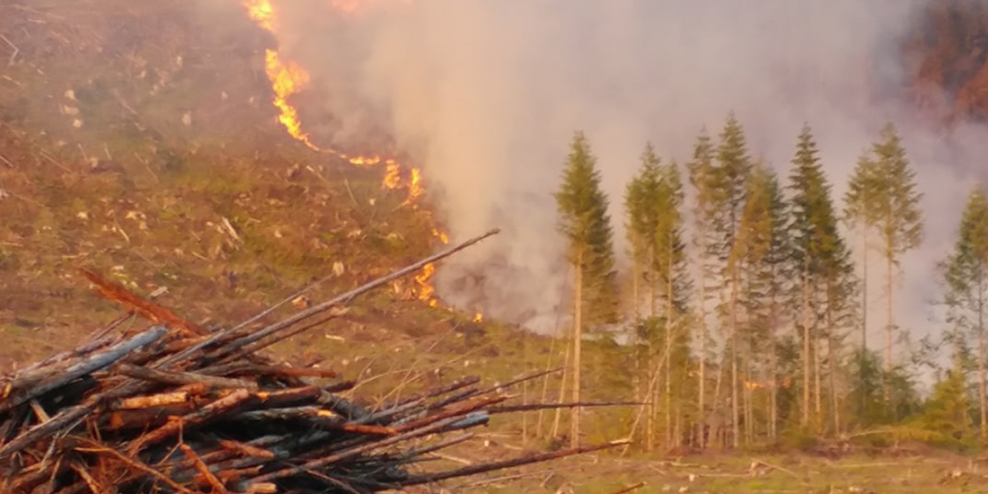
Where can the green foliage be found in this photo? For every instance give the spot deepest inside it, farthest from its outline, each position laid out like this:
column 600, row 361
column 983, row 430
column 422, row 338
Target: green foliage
column 861, row 201
column 727, row 187
column 586, row 224
column 901, row 223
column 948, row 412
column 966, row 269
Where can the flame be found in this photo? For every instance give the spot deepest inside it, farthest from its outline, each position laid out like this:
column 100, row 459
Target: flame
column 362, row 160
column 392, row 178
column 415, row 188
column 425, row 287
column 286, row 80
column 261, row 12
column 441, row 236
column 478, row 318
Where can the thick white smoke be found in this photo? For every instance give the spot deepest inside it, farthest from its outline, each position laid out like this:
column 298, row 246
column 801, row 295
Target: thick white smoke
column 486, row 95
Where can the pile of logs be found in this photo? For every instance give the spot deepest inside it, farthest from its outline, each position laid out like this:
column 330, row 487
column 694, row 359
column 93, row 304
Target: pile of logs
column 180, row 409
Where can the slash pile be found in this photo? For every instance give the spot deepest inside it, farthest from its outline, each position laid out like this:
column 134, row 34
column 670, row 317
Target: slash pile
column 179, row 409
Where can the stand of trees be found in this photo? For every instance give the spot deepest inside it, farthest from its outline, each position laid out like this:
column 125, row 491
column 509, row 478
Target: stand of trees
column 744, row 309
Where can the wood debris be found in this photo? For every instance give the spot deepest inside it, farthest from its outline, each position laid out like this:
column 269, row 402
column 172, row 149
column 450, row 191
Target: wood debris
column 175, row 408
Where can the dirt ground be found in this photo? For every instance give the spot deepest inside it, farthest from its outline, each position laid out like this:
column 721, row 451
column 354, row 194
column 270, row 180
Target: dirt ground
column 740, row 473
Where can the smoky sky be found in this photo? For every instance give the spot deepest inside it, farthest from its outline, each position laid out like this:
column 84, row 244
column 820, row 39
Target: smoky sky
column 485, row 95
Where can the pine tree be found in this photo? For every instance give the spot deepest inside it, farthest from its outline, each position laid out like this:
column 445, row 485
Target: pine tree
column 586, row 225
column 811, row 212
column 670, row 271
column 966, row 275
column 763, row 228
column 900, row 225
column 861, row 210
column 728, row 191
column 700, row 171
column 641, row 197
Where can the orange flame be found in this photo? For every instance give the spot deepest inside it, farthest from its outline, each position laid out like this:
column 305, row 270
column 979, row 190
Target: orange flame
column 478, row 318
column 392, row 178
column 415, row 188
column 286, row 80
column 363, row 160
column 261, row 12
column 441, row 236
column 425, row 287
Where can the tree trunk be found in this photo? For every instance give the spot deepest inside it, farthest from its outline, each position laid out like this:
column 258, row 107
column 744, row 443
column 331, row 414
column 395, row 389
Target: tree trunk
column 773, row 412
column 577, row 341
column 982, row 394
column 668, row 359
column 636, row 378
column 545, row 381
column 864, row 317
column 701, row 358
column 805, row 419
column 817, row 378
column 832, row 369
column 864, row 289
column 734, row 356
column 652, row 365
column 562, row 393
column 889, row 326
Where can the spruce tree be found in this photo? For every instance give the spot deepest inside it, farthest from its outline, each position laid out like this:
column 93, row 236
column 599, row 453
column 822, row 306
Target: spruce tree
column 641, row 197
column 728, row 191
column 900, row 224
column 966, row 275
column 814, row 244
column 585, row 223
column 861, row 210
column 700, row 169
column 763, row 227
column 670, row 273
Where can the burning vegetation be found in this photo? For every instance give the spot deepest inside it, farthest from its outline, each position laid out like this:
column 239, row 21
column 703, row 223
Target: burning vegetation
column 287, row 78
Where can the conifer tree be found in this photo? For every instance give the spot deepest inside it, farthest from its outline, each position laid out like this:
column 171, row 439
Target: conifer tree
column 670, row 272
column 700, row 170
column 966, row 275
column 763, row 228
column 809, row 207
column 728, row 191
column 641, row 197
column 585, row 223
column 861, row 210
column 900, row 225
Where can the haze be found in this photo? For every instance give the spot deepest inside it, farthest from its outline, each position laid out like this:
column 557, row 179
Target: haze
column 486, row 94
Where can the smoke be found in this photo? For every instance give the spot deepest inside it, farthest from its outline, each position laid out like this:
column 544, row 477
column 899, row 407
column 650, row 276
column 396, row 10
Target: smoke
column 486, row 95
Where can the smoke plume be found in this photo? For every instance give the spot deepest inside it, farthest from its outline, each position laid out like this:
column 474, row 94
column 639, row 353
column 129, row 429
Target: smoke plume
column 485, row 95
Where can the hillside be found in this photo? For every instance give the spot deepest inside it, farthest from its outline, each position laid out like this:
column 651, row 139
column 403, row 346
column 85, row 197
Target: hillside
column 140, row 142
column 948, row 55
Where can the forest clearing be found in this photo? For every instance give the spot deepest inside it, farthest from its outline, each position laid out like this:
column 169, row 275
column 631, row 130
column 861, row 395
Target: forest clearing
column 239, row 247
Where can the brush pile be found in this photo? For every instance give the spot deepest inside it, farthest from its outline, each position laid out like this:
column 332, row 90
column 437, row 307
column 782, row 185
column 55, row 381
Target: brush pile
column 176, row 408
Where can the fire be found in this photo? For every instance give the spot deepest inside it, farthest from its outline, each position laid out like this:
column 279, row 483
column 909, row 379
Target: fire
column 362, row 160
column 425, row 287
column 261, row 12
column 392, row 177
column 441, row 236
column 478, row 318
column 286, row 80
column 415, row 188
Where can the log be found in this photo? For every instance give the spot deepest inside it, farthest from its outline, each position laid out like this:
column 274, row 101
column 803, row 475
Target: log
column 91, row 364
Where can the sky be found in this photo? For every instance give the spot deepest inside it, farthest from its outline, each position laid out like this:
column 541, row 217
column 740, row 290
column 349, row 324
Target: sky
column 485, row 96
